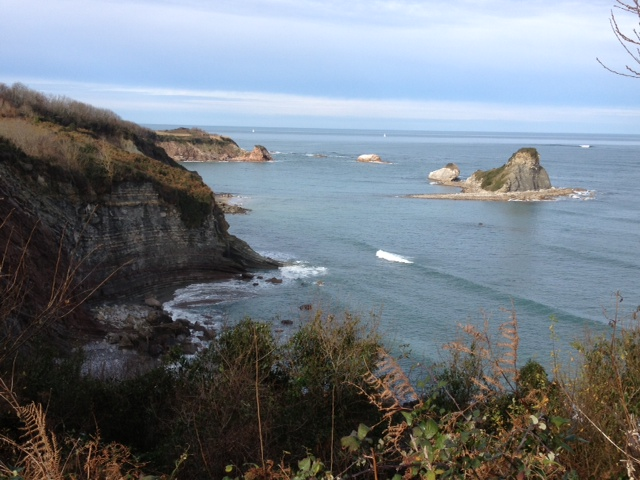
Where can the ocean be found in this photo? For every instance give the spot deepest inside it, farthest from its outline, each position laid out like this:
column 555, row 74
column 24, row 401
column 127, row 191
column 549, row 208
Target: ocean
column 353, row 241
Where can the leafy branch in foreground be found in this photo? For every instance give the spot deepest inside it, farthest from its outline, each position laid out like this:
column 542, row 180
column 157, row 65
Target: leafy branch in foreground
column 503, row 426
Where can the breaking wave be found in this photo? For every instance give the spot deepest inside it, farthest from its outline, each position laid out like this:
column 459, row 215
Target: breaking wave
column 392, row 257
column 301, row 270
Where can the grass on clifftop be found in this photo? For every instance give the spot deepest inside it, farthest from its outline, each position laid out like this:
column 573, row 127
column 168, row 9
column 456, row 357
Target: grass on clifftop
column 71, row 142
column 195, row 136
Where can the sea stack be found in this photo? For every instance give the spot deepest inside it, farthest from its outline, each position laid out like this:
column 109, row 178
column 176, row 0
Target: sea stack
column 522, row 173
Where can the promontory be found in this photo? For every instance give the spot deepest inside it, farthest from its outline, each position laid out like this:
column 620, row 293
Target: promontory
column 92, row 205
column 196, row 145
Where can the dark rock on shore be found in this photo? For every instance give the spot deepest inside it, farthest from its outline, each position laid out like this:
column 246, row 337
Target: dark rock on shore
column 137, row 337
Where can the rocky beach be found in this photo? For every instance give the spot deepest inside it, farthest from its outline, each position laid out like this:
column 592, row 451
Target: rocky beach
column 477, row 194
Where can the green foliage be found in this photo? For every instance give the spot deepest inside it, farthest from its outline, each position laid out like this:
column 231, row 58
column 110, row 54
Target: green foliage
column 247, row 396
column 532, row 377
column 604, row 398
column 126, row 411
column 193, row 210
column 491, row 180
column 330, row 351
column 457, row 380
column 319, row 402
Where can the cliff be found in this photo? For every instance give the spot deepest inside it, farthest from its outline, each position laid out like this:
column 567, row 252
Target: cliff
column 88, row 201
column 196, row 145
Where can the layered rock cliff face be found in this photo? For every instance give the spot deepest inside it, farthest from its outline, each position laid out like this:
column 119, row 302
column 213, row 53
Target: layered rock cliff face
column 134, row 228
column 522, row 173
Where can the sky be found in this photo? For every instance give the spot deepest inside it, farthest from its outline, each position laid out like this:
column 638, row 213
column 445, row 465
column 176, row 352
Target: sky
column 468, row 65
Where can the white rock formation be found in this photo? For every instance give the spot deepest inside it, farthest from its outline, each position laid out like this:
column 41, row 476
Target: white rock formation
column 448, row 173
column 370, row 158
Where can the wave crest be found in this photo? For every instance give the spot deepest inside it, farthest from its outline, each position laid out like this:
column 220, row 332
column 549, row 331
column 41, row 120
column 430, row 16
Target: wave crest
column 392, row 257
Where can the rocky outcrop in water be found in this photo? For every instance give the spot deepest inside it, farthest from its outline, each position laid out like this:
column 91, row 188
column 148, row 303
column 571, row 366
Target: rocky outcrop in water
column 449, row 173
column 522, row 173
column 522, row 178
column 259, row 154
column 370, row 158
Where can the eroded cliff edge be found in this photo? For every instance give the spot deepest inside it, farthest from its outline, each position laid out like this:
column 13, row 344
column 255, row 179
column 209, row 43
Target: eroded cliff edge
column 82, row 191
column 196, row 145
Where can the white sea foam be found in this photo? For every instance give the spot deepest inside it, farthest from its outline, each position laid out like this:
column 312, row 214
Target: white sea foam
column 301, row 270
column 583, row 194
column 199, row 302
column 392, row 257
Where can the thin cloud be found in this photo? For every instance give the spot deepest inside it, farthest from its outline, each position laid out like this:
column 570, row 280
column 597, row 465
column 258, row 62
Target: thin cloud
column 293, row 60
column 162, row 103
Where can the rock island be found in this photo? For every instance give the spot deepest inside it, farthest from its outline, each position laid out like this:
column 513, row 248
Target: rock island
column 521, row 178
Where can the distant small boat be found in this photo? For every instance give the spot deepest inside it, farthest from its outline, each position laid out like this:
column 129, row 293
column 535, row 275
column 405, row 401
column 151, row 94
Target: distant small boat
column 585, row 146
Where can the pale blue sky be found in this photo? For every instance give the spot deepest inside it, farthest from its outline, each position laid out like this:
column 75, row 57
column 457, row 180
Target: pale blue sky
column 497, row 65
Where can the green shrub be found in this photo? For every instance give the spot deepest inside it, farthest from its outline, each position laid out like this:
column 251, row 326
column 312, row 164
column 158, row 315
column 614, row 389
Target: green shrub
column 492, row 180
column 604, row 399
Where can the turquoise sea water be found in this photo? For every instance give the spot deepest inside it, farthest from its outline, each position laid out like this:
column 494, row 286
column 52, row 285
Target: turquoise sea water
column 326, row 215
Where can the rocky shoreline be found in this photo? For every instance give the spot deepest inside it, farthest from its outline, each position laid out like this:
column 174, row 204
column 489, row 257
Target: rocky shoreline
column 226, row 201
column 136, row 337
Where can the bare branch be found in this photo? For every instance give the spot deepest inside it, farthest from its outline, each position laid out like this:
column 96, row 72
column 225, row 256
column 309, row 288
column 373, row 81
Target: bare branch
column 629, row 41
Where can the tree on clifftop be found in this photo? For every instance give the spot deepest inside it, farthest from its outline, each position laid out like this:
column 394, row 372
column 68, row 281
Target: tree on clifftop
column 629, row 41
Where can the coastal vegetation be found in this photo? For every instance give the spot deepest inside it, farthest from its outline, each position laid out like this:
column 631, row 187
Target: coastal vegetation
column 491, row 180
column 329, row 402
